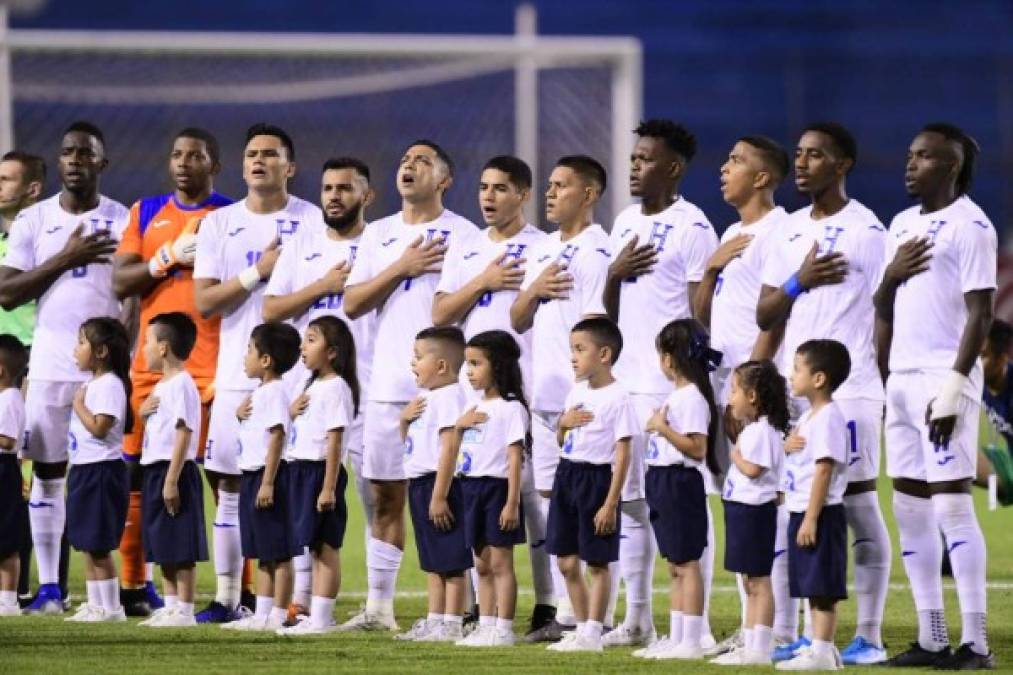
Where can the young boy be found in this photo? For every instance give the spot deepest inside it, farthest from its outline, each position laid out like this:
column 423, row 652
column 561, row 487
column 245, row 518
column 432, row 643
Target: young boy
column 264, row 523
column 434, row 497
column 814, row 484
column 173, row 529
column 13, row 508
column 594, row 435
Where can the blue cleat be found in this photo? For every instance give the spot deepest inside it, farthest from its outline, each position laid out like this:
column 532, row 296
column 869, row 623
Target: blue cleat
column 151, row 595
column 790, row 650
column 216, row 612
column 861, row 652
column 48, row 600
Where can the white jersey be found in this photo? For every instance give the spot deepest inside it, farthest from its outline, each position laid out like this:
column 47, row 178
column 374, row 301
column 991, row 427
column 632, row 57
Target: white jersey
column 104, row 395
column 269, row 410
column 409, row 308
column 422, row 443
column 688, row 413
column 231, row 239
column 762, row 445
column 683, row 239
column 929, row 311
column 484, row 447
column 586, row 257
column 178, row 401
column 733, row 309
column 37, row 234
column 12, row 418
column 826, row 436
column 614, row 420
column 844, row 311
column 330, row 408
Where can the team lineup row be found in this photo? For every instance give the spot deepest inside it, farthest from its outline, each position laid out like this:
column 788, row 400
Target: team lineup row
column 911, row 306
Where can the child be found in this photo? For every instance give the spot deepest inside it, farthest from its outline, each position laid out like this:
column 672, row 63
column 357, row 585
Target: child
column 320, row 416
column 759, row 401
column 264, row 523
column 814, row 485
column 173, row 528
column 97, row 487
column 683, row 437
column 491, row 436
column 13, row 508
column 594, row 434
column 434, row 496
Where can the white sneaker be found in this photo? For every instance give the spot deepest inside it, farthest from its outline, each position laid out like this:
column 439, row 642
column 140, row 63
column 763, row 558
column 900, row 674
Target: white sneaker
column 155, row 617
column 742, row 657
column 175, row 619
column 10, row 610
column 683, row 650
column 250, row 623
column 807, row 659
column 483, row 636
column 444, row 632
column 305, row 627
column 419, row 630
column 574, row 642
column 708, row 642
column 656, row 646
column 117, row 615
column 86, row 614
column 625, row 636
column 368, row 621
column 503, row 638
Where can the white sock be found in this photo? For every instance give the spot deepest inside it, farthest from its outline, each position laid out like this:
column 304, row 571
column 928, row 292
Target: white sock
column 691, row 629
column 707, row 572
column 185, row 608
column 109, row 594
column 534, row 521
column 763, row 639
column 822, row 647
column 747, row 637
column 675, row 627
column 615, row 581
column 486, row 620
column 580, row 627
column 93, row 594
column 636, row 562
column 383, row 563
column 321, row 611
column 228, row 553
column 171, row 601
column 149, row 571
column 434, row 619
column 740, row 584
column 872, row 555
column 47, row 514
column 505, row 625
column 302, row 565
column 593, row 629
column 785, row 606
column 8, row 598
column 966, row 545
column 471, row 597
column 922, row 554
column 453, row 618
column 974, row 631
column 807, row 615
column 278, row 615
column 265, row 603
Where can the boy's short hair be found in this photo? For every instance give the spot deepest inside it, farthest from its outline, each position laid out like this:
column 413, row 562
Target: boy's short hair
column 517, row 170
column 442, row 154
column 279, row 341
column 450, row 340
column 265, row 129
column 829, row 357
column 604, row 333
column 1000, row 337
column 179, row 330
column 13, row 356
column 588, row 168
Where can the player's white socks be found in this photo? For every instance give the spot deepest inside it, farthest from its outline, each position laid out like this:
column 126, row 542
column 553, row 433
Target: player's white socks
column 171, row 601
column 636, row 563
column 922, row 554
column 593, row 629
column 228, row 552
column 707, row 572
column 966, row 546
column 807, row 616
column 471, row 588
column 109, row 594
column 47, row 514
column 92, row 593
column 262, row 609
column 383, row 561
column 534, row 521
column 872, row 555
column 149, row 571
column 302, row 587
column 615, row 581
column 785, row 606
column 675, row 627
column 692, row 629
column 763, row 639
column 321, row 611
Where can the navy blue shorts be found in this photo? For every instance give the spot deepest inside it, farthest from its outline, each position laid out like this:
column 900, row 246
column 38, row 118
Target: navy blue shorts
column 13, row 507
column 750, row 530
column 484, row 499
column 678, row 504
column 179, row 539
column 821, row 571
column 313, row 528
column 440, row 552
column 578, row 492
column 266, row 534
column 97, row 498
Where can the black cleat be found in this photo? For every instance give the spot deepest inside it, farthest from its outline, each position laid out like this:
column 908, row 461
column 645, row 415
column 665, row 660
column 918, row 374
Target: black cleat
column 135, row 602
column 966, row 658
column 541, row 615
column 918, row 657
column 248, row 600
column 550, row 632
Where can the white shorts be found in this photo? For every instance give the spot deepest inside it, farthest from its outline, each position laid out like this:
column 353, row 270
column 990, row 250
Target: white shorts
column 221, row 454
column 864, row 418
column 909, row 453
column 382, row 447
column 353, row 444
column 48, row 407
column 544, row 448
column 644, row 406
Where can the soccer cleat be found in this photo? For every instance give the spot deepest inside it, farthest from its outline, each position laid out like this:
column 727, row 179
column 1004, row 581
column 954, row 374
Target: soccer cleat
column 966, row 658
column 135, row 602
column 155, row 600
column 155, row 617
column 541, row 615
column 296, row 613
column 368, row 621
column 790, row 650
column 575, row 642
column 248, row 600
column 444, row 632
column 861, row 652
column 10, row 610
column 625, row 636
column 553, row 631
column 303, row 628
column 807, row 659
column 918, row 657
column 216, row 612
column 48, row 600
column 733, row 641
column 483, row 636
column 419, row 630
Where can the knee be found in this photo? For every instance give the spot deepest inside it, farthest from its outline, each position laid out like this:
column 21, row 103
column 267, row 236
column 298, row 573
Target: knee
column 569, row 566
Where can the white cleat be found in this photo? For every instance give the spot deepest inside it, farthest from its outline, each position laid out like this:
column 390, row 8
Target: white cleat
column 368, row 621
column 807, row 659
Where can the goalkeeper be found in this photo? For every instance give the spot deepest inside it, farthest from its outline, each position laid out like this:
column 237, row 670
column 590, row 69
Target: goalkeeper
column 996, row 436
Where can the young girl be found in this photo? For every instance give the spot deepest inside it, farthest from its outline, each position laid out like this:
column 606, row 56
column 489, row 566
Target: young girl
column 317, row 478
column 682, row 437
column 759, row 400
column 97, row 487
column 491, row 437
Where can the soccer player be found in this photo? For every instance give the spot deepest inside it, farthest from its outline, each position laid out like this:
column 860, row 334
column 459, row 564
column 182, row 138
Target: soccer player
column 395, row 273
column 933, row 309
column 155, row 262
column 477, row 287
column 828, row 261
column 59, row 253
column 661, row 249
column 237, row 249
column 998, row 407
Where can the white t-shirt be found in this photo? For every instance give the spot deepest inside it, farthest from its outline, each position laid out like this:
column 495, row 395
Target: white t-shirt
column 826, row 435
column 844, row 311
column 763, row 445
column 330, row 408
column 586, row 257
column 409, row 308
column 929, row 312
column 683, row 239
column 103, row 395
column 484, row 448
column 178, row 401
column 12, row 418
column 614, row 420
column 37, row 234
column 688, row 413
column 229, row 240
column 422, row 443
column 269, row 411
column 733, row 309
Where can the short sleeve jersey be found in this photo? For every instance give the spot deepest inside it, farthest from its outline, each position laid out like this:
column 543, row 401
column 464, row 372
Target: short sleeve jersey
column 104, row 395
column 12, row 418
column 178, row 402
column 762, row 445
column 484, row 447
column 269, row 410
column 614, row 420
column 422, row 443
column 330, row 408
column 688, row 413
column 826, row 437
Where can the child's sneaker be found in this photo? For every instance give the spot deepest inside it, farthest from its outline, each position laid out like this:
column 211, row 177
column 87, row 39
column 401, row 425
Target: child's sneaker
column 653, row 648
column 575, row 642
column 369, row 621
column 10, row 610
column 154, row 618
column 250, row 623
column 808, row 659
column 482, row 636
column 503, row 638
column 174, row 618
column 444, row 632
column 85, row 614
column 861, row 652
column 419, row 630
column 626, row 636
column 734, row 641
column 304, row 627
column 742, row 657
column 683, row 651
column 114, row 615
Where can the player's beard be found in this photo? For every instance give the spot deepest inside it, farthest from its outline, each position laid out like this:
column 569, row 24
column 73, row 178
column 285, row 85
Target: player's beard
column 342, row 224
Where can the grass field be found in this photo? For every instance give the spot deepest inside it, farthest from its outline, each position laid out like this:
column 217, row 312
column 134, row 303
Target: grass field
column 49, row 645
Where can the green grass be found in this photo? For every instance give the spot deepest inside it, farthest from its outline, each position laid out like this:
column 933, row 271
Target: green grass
column 49, row 645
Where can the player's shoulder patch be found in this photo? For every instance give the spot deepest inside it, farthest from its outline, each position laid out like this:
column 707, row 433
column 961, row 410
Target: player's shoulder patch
column 148, row 208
